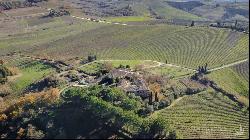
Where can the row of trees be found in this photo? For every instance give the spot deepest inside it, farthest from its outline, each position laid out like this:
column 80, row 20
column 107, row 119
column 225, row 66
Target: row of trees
column 234, row 26
column 57, row 13
column 203, row 69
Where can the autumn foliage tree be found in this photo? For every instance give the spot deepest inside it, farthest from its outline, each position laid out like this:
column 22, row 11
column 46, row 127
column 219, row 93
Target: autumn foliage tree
column 41, row 98
column 138, row 67
column 1, row 62
column 156, row 90
column 107, row 67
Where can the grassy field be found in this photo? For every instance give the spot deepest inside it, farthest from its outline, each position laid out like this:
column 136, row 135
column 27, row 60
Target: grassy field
column 172, row 72
column 92, row 68
column 208, row 115
column 29, row 71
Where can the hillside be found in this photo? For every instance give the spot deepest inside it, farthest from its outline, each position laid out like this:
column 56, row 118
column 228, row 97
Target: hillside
column 124, row 69
column 207, row 115
column 145, row 8
column 190, row 47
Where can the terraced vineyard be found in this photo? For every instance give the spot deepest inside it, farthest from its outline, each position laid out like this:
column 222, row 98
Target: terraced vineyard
column 243, row 70
column 124, row 69
column 208, row 115
column 65, row 38
column 189, row 47
column 231, row 81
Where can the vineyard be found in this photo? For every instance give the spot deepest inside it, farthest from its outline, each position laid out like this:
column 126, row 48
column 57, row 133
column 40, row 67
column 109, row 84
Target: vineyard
column 41, row 32
column 208, row 115
column 189, row 47
column 124, row 69
column 231, row 81
column 243, row 70
column 66, row 38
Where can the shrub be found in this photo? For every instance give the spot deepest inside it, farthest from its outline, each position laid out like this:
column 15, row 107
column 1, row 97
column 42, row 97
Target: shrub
column 4, row 90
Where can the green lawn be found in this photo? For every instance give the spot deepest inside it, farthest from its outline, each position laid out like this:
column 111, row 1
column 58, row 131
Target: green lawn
column 29, row 75
column 29, row 72
column 92, row 68
column 171, row 71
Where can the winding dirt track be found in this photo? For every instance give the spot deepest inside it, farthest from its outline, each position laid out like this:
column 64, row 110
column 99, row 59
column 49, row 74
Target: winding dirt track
column 228, row 65
column 159, row 64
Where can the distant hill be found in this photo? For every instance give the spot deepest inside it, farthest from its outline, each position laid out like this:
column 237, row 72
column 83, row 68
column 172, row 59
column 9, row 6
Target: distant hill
column 215, row 9
column 166, row 9
column 147, row 8
column 12, row 4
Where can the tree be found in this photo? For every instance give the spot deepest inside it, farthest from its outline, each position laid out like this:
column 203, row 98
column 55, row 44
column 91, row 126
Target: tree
column 206, row 67
column 154, row 79
column 192, row 24
column 173, row 135
column 150, row 109
column 218, row 24
column 151, row 98
column 155, row 88
column 156, row 97
column 156, row 128
column 235, row 24
column 138, row 67
column 1, row 62
column 121, row 66
column 33, row 133
column 107, row 66
column 91, row 58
